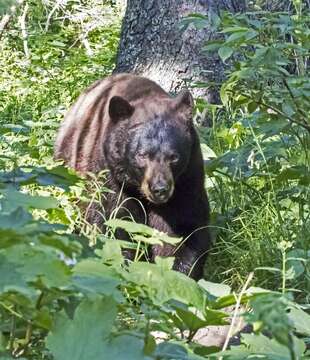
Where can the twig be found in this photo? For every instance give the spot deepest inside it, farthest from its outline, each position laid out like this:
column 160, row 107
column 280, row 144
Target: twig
column 4, row 23
column 22, row 21
column 12, row 333
column 302, row 113
column 279, row 112
column 48, row 21
column 89, row 50
column 30, row 324
column 235, row 314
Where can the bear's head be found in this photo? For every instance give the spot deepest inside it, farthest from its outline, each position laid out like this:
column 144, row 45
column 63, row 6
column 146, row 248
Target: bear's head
column 149, row 145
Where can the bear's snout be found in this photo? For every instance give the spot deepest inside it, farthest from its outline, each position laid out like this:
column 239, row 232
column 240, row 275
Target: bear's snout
column 161, row 191
column 158, row 184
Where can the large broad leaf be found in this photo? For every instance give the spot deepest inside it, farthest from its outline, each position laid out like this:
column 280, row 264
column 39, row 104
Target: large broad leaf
column 125, row 347
column 163, row 285
column 130, row 226
column 88, row 336
column 82, row 338
column 169, row 351
column 15, row 220
column 193, row 322
column 93, row 277
column 300, row 173
column 153, row 236
column 14, row 199
column 301, row 321
column 260, row 347
column 214, row 289
column 58, row 176
column 12, row 278
column 33, row 263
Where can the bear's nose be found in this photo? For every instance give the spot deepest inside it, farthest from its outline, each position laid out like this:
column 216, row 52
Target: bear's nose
column 160, row 190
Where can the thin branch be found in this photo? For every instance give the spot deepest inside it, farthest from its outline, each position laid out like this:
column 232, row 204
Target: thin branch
column 4, row 23
column 235, row 314
column 88, row 48
column 299, row 110
column 279, row 112
column 22, row 21
column 48, row 21
column 12, row 333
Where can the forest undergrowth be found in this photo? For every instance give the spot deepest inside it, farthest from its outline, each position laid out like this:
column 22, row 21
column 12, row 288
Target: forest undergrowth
column 257, row 163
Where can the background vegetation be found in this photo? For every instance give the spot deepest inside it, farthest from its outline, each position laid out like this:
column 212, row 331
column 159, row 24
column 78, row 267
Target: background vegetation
column 61, row 298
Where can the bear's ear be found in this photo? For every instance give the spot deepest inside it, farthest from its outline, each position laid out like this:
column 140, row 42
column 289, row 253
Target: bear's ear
column 119, row 108
column 185, row 104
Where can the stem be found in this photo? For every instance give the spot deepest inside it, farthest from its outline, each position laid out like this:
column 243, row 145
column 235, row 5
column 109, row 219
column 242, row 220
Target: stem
column 283, row 271
column 191, row 335
column 30, row 324
column 137, row 251
column 39, row 300
column 28, row 334
column 13, row 312
column 233, row 320
column 4, row 23
column 299, row 110
column 279, row 112
column 22, row 20
column 12, row 333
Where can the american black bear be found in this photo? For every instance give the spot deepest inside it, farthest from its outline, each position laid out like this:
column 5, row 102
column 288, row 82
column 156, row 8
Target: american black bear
column 146, row 139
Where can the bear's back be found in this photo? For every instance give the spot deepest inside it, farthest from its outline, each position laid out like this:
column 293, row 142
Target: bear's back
column 81, row 135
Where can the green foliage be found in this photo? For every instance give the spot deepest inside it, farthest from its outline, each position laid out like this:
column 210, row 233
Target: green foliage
column 259, row 171
column 260, row 168
column 68, row 296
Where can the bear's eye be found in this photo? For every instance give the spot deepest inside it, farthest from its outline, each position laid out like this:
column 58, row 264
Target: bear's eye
column 141, row 156
column 173, row 158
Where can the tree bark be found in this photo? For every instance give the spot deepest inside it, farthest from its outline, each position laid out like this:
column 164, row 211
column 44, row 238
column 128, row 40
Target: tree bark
column 153, row 45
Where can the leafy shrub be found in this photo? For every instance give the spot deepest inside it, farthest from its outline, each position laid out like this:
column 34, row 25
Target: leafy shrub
column 260, row 171
column 61, row 298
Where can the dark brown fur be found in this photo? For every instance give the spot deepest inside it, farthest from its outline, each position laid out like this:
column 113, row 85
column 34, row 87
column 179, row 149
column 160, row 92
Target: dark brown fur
column 89, row 140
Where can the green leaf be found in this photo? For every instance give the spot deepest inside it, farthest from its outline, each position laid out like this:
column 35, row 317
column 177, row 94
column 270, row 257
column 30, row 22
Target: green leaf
column 155, row 236
column 93, row 267
column 301, row 320
column 173, row 351
column 14, row 199
column 207, row 152
column 193, row 322
column 297, row 260
column 12, row 278
column 214, row 289
column 261, row 344
column 34, row 264
column 111, row 253
column 88, row 335
column 97, row 285
column 83, row 337
column 260, row 347
column 15, row 220
column 6, row 5
column 164, row 263
column 225, row 52
column 125, row 347
column 212, row 46
column 215, row 317
column 147, row 240
column 130, row 226
column 295, row 172
column 93, row 277
column 163, row 285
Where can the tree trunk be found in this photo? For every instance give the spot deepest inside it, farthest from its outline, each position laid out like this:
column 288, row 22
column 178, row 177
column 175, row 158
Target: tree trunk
column 153, row 45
